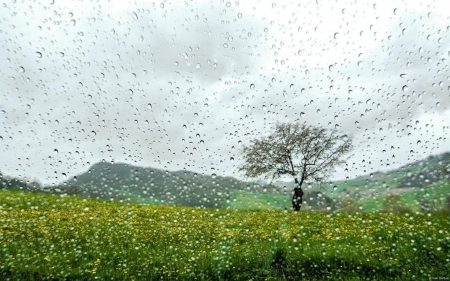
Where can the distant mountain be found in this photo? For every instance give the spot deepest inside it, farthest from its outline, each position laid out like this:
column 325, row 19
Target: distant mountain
column 420, row 182
column 424, row 182
column 7, row 182
column 149, row 185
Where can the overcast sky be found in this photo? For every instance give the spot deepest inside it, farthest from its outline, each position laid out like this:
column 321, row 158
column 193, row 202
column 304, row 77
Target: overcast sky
column 184, row 84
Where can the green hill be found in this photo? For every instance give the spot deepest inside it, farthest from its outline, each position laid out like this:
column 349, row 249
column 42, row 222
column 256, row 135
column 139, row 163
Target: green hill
column 149, row 185
column 421, row 185
column 417, row 183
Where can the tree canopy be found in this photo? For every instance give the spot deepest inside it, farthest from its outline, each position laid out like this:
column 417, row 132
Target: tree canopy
column 307, row 153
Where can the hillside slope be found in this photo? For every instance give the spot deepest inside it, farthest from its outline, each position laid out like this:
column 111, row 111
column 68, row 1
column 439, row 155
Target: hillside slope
column 150, row 185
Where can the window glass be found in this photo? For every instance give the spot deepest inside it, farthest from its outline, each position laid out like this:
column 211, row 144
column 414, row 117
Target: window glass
column 119, row 117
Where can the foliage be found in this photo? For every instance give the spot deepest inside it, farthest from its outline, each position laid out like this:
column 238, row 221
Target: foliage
column 349, row 205
column 49, row 237
column 446, row 208
column 297, row 150
column 394, row 203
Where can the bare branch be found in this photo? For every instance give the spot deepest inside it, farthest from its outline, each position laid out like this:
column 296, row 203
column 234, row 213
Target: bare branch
column 295, row 148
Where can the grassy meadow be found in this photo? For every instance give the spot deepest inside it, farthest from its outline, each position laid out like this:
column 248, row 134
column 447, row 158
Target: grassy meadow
column 49, row 237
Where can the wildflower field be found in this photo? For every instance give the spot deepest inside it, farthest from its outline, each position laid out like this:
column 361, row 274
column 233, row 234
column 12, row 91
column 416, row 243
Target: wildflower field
column 48, row 237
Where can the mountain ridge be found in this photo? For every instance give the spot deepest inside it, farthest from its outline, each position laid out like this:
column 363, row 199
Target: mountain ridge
column 128, row 182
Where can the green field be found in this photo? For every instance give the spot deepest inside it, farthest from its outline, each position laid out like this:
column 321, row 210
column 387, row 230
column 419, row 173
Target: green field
column 248, row 200
column 49, row 237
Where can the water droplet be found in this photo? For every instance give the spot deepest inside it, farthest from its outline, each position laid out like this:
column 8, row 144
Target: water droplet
column 225, row 45
column 39, row 54
column 302, row 114
column 239, row 15
column 331, row 67
column 198, row 66
column 135, row 16
column 252, row 86
column 93, row 133
column 405, row 88
column 214, row 176
column 130, row 91
column 292, row 86
column 336, row 35
column 61, row 54
column 56, row 151
column 51, row 2
column 403, row 75
column 149, row 105
column 21, row 69
column 73, row 22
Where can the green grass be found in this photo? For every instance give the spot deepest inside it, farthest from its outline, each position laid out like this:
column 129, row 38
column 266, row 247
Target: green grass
column 48, row 237
column 249, row 200
column 372, row 204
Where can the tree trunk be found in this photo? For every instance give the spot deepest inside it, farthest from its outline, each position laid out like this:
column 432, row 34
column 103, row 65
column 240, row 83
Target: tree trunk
column 297, row 199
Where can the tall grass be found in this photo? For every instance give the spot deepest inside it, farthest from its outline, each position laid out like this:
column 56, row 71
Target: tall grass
column 46, row 237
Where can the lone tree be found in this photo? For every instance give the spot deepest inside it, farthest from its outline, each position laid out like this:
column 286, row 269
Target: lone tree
column 306, row 153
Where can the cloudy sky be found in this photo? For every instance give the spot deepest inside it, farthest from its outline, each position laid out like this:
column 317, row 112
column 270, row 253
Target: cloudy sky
column 184, row 84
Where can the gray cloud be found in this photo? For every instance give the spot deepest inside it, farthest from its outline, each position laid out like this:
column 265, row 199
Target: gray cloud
column 171, row 87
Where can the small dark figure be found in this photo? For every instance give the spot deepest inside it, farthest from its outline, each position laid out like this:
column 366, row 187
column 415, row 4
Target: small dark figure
column 297, row 199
